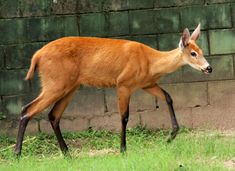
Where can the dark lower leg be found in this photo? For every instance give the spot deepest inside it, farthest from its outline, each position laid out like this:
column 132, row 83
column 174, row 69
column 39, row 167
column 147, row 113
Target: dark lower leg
column 174, row 122
column 56, row 128
column 124, row 118
column 22, row 127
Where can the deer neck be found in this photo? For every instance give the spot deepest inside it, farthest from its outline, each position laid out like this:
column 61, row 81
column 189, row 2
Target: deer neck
column 166, row 62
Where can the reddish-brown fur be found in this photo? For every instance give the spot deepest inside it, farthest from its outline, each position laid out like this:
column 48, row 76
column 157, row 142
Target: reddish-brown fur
column 66, row 63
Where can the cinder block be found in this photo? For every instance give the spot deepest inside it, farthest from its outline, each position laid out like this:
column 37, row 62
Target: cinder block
column 218, row 1
column 10, row 127
column 166, row 20
column 70, row 26
column 219, row 116
column 73, row 125
column 59, row 26
column 53, row 27
column 115, row 5
column 85, row 6
column 221, row 92
column 221, row 41
column 32, row 127
column 19, row 56
column 2, row 57
column 93, row 24
column 111, row 99
column 175, row 77
column 12, row 105
column 149, row 40
column 233, row 11
column 191, row 75
column 140, row 4
column 202, row 42
column 28, row 51
column 12, row 31
column 171, row 3
column 168, row 41
column 141, row 100
column 45, row 126
column 113, row 122
column 223, row 67
column 2, row 114
column 134, row 120
column 14, row 58
column 9, row 9
column 187, row 95
column 6, row 127
column 118, row 23
column 108, row 122
column 36, row 29
column 155, row 120
column 50, row 28
column 12, row 82
column 87, row 102
column 161, row 118
column 30, row 8
column 211, row 16
column 142, row 22
column 220, row 113
column 222, row 70
column 64, row 7
column 35, row 84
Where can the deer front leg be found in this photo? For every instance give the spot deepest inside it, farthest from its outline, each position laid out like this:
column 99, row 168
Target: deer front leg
column 158, row 92
column 123, row 105
column 174, row 122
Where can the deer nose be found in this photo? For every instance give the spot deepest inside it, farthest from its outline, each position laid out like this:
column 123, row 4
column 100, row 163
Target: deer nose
column 209, row 69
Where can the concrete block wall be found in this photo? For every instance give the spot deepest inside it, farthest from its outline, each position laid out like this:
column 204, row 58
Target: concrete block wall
column 201, row 101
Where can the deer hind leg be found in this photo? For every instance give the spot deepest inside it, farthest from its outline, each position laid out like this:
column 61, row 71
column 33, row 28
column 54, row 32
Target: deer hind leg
column 158, row 92
column 55, row 115
column 45, row 99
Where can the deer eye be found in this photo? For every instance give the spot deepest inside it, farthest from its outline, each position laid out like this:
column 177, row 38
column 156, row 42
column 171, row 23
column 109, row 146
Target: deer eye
column 193, row 54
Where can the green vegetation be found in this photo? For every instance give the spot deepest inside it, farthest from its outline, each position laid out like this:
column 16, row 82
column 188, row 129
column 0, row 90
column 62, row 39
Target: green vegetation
column 2, row 116
column 147, row 150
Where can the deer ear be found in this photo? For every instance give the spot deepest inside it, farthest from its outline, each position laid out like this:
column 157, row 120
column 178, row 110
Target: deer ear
column 184, row 39
column 195, row 35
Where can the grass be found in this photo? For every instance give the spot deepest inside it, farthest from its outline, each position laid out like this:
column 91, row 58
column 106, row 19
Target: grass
column 147, row 150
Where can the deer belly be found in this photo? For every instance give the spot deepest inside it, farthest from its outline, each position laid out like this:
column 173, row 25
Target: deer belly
column 97, row 80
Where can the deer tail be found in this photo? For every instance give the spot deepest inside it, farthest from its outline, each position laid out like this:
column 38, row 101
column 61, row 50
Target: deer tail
column 33, row 65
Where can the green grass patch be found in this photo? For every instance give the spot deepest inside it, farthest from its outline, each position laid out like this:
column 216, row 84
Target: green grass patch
column 146, row 150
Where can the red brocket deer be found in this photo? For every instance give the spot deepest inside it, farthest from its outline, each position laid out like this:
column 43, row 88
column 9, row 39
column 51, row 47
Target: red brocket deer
column 69, row 62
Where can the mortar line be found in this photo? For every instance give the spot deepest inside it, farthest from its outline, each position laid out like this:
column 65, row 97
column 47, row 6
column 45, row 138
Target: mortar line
column 231, row 12
column 233, row 66
column 208, row 42
column 207, row 93
column 78, row 25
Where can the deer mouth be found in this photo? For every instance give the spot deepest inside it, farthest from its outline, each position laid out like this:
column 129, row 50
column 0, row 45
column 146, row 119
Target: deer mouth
column 205, row 71
column 208, row 70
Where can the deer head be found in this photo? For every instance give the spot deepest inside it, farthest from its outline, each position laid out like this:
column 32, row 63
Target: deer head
column 192, row 54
